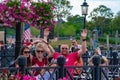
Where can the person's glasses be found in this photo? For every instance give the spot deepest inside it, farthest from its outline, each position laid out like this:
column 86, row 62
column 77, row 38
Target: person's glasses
column 26, row 52
column 65, row 48
column 40, row 51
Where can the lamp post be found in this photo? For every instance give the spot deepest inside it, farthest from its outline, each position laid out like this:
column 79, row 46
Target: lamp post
column 84, row 8
column 18, row 41
column 59, row 16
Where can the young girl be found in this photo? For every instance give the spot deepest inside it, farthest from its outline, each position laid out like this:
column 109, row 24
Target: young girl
column 25, row 50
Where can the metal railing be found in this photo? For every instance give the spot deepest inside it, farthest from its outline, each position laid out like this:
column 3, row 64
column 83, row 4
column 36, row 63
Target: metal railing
column 95, row 72
column 91, row 73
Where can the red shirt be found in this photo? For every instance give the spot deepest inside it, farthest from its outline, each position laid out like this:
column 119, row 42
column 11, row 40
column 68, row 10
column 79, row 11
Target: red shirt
column 35, row 61
column 70, row 58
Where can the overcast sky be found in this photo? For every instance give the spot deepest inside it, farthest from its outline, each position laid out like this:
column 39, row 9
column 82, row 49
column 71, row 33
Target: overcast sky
column 114, row 5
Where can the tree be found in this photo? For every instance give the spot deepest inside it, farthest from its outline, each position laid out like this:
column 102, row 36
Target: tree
column 101, row 16
column 66, row 29
column 118, row 14
column 63, row 8
column 116, row 22
column 77, row 22
column 102, row 11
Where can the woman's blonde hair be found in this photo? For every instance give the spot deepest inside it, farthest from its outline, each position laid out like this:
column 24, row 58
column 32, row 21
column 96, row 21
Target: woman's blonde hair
column 39, row 45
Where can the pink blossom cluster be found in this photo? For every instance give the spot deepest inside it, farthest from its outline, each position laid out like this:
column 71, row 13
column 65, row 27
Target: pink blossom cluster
column 35, row 14
column 63, row 78
column 28, row 77
column 25, row 77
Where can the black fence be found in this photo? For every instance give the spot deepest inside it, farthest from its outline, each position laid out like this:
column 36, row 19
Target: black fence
column 111, row 72
column 55, row 73
column 7, row 55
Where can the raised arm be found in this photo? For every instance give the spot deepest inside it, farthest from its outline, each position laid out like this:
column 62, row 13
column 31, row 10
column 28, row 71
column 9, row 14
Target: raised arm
column 106, row 63
column 46, row 33
column 83, row 35
column 90, row 61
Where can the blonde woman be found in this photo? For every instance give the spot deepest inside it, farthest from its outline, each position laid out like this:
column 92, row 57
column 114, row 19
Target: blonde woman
column 41, row 59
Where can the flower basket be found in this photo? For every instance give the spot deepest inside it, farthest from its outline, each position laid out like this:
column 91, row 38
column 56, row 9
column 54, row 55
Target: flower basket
column 34, row 13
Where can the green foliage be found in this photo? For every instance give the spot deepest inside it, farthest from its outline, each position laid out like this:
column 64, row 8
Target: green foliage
column 54, row 44
column 70, row 28
column 35, row 31
column 62, row 8
column 77, row 37
column 10, row 30
column 111, row 40
column 102, row 11
column 76, row 20
column 13, row 3
column 116, row 23
column 101, row 16
column 65, row 30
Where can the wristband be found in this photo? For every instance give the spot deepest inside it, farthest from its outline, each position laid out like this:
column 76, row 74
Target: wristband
column 83, row 39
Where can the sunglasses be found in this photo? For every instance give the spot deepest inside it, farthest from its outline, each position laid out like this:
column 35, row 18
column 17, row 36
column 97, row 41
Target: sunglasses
column 65, row 48
column 26, row 52
column 40, row 51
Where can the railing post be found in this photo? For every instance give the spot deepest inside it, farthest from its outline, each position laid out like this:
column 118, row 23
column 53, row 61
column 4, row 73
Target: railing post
column 61, row 62
column 115, row 62
column 97, row 69
column 115, row 58
column 22, row 62
column 18, row 42
column 111, row 49
column 2, row 64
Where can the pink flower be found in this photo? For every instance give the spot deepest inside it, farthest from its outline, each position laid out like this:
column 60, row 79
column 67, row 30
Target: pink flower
column 41, row 7
column 26, row 77
column 63, row 78
column 12, row 12
column 44, row 14
column 54, row 22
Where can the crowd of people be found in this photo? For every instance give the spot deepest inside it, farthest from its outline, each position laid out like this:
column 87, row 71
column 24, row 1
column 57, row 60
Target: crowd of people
column 43, row 54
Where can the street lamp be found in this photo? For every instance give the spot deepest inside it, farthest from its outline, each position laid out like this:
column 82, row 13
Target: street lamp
column 59, row 17
column 84, row 8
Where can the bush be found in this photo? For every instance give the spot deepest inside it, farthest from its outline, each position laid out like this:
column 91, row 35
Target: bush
column 77, row 37
column 111, row 40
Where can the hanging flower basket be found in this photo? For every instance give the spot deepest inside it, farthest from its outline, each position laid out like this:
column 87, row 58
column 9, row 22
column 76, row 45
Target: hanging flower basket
column 37, row 14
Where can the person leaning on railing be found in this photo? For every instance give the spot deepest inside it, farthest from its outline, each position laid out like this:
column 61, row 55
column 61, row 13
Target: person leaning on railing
column 103, row 62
